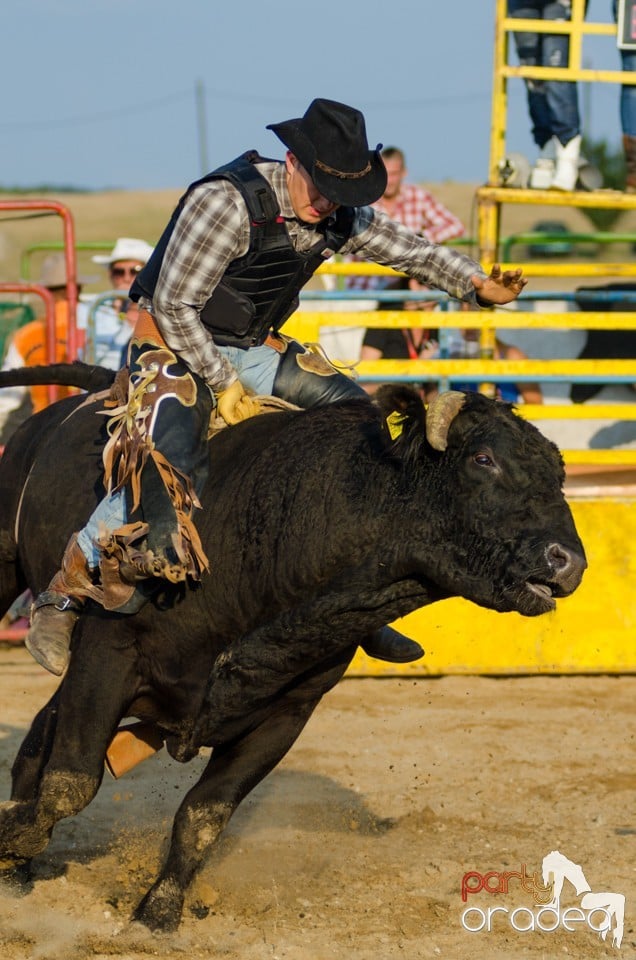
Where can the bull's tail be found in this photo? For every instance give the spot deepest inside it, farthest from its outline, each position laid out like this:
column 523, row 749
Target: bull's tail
column 84, row 376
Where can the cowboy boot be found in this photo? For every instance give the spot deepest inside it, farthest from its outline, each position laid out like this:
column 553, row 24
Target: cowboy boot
column 55, row 611
column 387, row 644
column 567, row 164
column 629, row 146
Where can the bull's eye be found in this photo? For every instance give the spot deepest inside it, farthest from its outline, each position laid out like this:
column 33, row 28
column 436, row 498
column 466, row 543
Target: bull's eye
column 483, row 460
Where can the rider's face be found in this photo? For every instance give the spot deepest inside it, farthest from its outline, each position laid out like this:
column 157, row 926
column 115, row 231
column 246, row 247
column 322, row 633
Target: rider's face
column 309, row 205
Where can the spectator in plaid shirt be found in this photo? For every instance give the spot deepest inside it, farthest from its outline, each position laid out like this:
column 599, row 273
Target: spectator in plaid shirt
column 413, row 206
column 421, row 213
column 417, row 210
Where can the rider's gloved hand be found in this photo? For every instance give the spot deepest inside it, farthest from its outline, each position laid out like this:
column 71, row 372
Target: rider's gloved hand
column 234, row 404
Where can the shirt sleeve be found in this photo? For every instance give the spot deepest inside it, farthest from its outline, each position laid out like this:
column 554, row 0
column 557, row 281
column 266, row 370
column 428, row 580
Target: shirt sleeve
column 211, row 231
column 382, row 240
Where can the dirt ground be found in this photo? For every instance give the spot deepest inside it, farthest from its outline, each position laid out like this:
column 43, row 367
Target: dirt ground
column 356, row 846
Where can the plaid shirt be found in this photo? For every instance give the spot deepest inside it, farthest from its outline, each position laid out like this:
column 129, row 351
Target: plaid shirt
column 213, row 230
column 419, row 211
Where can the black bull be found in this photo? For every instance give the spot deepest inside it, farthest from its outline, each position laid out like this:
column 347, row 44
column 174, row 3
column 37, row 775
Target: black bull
column 320, row 528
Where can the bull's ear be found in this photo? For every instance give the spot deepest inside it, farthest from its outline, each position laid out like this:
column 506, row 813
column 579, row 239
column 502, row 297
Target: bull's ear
column 401, row 409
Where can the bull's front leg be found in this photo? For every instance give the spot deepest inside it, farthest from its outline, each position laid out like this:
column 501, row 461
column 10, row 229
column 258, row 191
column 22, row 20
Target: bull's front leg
column 233, row 771
column 293, row 643
column 61, row 762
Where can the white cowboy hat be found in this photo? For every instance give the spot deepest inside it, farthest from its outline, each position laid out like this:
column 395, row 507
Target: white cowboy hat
column 126, row 248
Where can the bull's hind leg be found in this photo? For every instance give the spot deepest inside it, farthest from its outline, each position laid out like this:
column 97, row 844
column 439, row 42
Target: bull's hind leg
column 11, row 581
column 25, row 773
column 14, row 469
column 61, row 762
column 34, row 753
column 233, row 771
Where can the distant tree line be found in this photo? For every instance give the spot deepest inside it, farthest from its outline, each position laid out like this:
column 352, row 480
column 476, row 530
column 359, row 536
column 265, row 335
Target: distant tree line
column 46, row 188
column 610, row 162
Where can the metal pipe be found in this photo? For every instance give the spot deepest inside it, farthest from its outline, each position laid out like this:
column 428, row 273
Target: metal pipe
column 70, row 260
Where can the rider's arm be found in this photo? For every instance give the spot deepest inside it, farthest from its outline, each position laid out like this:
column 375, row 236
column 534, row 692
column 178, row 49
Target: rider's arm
column 211, row 232
column 378, row 238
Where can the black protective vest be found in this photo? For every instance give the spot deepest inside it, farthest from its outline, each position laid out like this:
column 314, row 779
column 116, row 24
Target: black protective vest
column 259, row 291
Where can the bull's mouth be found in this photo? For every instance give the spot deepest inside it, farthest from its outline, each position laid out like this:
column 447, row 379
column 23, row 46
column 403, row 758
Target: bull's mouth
column 543, row 593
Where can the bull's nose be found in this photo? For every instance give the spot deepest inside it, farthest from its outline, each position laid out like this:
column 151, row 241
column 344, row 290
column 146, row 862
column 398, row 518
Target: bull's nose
column 567, row 565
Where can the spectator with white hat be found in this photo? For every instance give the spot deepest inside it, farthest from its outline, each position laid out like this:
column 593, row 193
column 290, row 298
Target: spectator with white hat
column 125, row 261
column 114, row 324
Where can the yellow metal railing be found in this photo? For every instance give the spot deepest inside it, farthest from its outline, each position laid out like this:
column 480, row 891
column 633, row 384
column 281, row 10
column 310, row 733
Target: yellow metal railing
column 576, row 28
column 477, row 370
column 493, row 195
column 598, row 269
column 307, row 326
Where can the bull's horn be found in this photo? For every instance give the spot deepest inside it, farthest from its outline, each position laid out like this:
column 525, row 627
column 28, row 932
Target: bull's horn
column 439, row 416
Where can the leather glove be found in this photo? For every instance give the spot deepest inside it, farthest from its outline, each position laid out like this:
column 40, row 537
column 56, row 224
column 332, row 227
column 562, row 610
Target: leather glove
column 233, row 404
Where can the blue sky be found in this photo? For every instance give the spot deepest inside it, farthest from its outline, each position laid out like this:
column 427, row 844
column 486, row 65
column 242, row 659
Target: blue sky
column 102, row 94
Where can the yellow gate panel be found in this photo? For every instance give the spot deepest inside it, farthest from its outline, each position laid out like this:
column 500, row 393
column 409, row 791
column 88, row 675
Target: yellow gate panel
column 593, row 631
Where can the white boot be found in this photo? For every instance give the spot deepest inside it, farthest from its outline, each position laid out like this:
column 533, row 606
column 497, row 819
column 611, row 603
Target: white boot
column 543, row 171
column 567, row 164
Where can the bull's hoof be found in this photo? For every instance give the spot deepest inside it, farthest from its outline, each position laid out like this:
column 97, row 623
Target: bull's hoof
column 20, row 836
column 162, row 907
column 390, row 645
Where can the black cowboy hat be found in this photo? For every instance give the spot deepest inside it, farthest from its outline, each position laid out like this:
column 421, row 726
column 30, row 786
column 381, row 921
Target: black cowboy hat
column 330, row 141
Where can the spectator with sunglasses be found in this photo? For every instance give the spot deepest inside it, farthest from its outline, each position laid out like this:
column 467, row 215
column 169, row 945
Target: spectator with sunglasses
column 114, row 324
